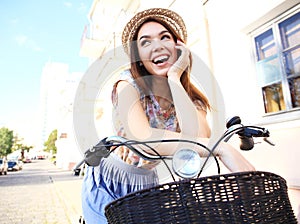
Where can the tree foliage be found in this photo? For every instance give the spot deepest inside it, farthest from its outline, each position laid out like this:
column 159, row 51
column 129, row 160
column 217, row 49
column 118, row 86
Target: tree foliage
column 6, row 141
column 19, row 145
column 50, row 143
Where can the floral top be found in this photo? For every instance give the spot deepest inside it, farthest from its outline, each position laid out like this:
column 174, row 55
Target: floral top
column 157, row 117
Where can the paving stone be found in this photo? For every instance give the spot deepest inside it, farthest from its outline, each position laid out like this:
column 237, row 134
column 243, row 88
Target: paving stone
column 37, row 194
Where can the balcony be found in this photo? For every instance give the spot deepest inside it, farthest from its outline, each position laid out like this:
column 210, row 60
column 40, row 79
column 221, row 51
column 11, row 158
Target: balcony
column 91, row 47
column 107, row 19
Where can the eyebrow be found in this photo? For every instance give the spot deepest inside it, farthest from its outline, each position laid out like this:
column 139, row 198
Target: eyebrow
column 148, row 36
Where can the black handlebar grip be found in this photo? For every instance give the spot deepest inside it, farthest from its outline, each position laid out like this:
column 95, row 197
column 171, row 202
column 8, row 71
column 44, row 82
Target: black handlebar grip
column 247, row 143
column 233, row 121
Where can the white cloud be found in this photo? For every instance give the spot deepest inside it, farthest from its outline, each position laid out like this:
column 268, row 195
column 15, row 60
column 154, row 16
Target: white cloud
column 68, row 4
column 21, row 39
column 37, row 48
column 82, row 8
column 14, row 21
column 25, row 41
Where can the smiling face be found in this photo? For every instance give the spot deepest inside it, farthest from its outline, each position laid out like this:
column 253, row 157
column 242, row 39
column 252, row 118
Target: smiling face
column 156, row 48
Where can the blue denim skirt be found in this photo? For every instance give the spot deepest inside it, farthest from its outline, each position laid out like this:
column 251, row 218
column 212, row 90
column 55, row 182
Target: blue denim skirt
column 109, row 181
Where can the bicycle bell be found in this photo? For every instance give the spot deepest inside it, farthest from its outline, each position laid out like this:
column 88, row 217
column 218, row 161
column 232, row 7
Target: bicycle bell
column 186, row 163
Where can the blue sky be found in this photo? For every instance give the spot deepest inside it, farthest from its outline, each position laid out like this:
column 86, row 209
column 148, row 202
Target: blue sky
column 32, row 34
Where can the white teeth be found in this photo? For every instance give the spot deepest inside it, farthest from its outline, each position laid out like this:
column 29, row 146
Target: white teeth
column 160, row 59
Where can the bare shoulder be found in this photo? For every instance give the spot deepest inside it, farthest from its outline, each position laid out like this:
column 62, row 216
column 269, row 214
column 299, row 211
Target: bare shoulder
column 126, row 89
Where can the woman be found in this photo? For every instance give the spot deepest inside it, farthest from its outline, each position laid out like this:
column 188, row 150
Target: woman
column 152, row 100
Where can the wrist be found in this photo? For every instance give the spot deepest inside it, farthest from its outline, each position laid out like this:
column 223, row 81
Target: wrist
column 221, row 149
column 173, row 78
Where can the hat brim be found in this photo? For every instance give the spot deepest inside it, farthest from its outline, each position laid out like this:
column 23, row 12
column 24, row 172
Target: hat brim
column 171, row 19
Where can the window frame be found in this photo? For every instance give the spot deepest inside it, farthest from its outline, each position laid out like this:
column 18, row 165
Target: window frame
column 273, row 23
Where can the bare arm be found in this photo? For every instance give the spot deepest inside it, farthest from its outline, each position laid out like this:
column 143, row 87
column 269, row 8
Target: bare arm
column 192, row 122
column 137, row 127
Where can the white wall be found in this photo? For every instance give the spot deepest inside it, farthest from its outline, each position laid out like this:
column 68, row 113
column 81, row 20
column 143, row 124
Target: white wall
column 234, row 70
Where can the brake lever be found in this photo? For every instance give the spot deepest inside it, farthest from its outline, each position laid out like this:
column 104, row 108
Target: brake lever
column 93, row 156
column 266, row 139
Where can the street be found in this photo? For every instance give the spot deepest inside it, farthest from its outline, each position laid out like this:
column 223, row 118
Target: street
column 40, row 193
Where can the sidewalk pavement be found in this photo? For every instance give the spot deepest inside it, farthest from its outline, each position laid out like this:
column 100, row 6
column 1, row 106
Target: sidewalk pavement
column 68, row 187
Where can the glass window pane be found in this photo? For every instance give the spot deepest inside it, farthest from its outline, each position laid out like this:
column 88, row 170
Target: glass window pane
column 292, row 62
column 290, row 31
column 265, row 45
column 294, row 84
column 268, row 71
column 273, row 98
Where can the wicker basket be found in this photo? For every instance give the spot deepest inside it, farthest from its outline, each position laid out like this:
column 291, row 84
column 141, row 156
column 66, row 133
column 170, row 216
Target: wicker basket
column 246, row 197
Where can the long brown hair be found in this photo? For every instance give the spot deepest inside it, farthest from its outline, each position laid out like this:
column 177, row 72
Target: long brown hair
column 139, row 72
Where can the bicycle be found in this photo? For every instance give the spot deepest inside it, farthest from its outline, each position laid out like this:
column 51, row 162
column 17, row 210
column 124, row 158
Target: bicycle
column 242, row 197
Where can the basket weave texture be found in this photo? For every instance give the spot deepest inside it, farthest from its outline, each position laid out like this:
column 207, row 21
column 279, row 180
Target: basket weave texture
column 245, row 197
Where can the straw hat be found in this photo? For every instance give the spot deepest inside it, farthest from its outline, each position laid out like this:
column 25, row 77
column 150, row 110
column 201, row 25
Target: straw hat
column 169, row 18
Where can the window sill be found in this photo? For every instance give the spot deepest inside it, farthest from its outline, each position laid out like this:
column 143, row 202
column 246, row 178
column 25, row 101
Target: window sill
column 281, row 117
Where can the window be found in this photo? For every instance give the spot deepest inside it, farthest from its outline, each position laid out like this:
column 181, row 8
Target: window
column 277, row 51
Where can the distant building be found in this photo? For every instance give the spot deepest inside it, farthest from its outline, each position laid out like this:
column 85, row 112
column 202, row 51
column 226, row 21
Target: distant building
column 58, row 87
column 53, row 78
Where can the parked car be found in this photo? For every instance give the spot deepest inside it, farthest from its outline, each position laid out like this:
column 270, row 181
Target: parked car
column 3, row 167
column 78, row 171
column 27, row 159
column 13, row 165
column 20, row 163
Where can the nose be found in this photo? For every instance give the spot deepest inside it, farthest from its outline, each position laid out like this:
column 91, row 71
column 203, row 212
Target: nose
column 157, row 45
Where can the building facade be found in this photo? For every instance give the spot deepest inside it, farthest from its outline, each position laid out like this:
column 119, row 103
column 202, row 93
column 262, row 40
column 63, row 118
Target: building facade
column 58, row 87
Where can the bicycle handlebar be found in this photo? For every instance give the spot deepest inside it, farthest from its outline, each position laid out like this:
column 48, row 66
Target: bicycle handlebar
column 246, row 134
column 93, row 156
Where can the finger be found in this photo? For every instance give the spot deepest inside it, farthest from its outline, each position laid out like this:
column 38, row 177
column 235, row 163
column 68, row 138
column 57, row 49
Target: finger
column 179, row 42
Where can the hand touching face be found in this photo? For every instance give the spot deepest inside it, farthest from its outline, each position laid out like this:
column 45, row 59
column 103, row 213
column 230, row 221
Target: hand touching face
column 182, row 62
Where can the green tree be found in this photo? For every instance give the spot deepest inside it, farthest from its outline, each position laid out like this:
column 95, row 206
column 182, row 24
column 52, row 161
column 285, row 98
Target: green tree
column 50, row 143
column 19, row 145
column 6, row 141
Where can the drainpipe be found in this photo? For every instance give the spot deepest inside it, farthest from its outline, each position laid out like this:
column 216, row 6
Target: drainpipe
column 207, row 33
column 216, row 100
